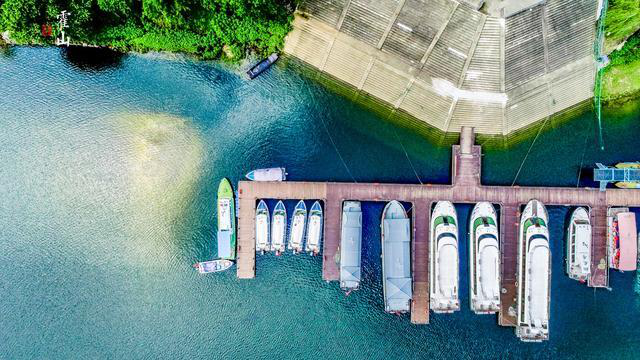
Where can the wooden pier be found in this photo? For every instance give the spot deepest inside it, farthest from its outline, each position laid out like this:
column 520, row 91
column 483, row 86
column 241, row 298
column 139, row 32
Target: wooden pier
column 466, row 188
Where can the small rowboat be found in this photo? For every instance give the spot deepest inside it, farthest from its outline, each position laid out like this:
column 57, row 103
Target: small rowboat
column 213, row 266
column 262, row 66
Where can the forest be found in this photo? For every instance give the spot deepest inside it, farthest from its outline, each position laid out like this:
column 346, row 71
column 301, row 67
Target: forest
column 206, row 28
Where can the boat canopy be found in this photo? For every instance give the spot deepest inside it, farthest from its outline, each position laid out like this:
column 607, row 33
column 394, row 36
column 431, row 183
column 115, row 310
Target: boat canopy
column 396, row 264
column 538, row 283
column 224, row 243
column 628, row 241
column 224, row 214
column 582, row 247
column 448, row 267
column 350, row 253
column 489, row 256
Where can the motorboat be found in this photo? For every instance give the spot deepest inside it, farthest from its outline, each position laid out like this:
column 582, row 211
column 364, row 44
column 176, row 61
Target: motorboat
column 278, row 228
column 270, row 174
column 444, row 260
column 314, row 229
column 534, row 274
column 484, row 259
column 298, row 223
column 262, row 228
column 578, row 260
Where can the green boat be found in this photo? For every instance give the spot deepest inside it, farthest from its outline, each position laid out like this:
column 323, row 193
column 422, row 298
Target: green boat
column 226, row 221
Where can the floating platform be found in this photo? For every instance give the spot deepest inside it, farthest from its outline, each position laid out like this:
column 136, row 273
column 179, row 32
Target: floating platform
column 466, row 188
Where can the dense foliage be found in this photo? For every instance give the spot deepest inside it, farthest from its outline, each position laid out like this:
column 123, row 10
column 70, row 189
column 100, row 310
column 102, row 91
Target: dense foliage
column 623, row 19
column 629, row 53
column 200, row 27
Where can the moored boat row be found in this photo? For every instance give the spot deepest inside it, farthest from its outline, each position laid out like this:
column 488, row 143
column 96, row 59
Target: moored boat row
column 271, row 232
column 534, row 255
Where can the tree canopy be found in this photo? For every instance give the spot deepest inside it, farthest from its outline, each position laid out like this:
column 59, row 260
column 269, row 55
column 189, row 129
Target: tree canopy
column 200, row 27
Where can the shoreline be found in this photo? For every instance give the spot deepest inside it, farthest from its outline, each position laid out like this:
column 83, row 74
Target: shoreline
column 396, row 117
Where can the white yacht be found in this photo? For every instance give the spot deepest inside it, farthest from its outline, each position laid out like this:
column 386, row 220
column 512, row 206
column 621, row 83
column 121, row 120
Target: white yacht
column 534, row 274
column 298, row 223
column 579, row 245
column 278, row 228
column 262, row 227
column 444, row 259
column 484, row 259
column 314, row 232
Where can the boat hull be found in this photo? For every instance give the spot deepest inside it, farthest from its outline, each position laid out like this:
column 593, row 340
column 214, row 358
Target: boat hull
column 396, row 258
column 444, row 259
column 628, row 185
column 278, row 228
column 226, row 221
column 484, row 260
column 578, row 261
column 207, row 267
column 270, row 174
column 350, row 246
column 298, row 223
column 262, row 66
column 314, row 229
column 262, row 228
column 534, row 274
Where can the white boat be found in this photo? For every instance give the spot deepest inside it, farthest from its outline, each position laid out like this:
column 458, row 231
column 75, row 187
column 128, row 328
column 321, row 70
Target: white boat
column 396, row 258
column 350, row 245
column 444, row 259
column 270, row 174
column 534, row 274
column 206, row 267
column 262, row 227
column 579, row 245
column 298, row 222
column 278, row 228
column 484, row 259
column 314, row 231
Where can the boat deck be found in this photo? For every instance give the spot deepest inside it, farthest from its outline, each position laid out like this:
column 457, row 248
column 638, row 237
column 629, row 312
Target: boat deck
column 466, row 188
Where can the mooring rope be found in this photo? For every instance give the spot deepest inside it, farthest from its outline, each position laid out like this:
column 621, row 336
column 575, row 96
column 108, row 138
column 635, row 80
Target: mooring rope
column 406, row 154
column 529, row 151
column 326, row 129
column 584, row 151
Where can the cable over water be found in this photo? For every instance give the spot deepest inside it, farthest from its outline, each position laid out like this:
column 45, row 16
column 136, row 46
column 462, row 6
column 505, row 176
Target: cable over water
column 333, row 143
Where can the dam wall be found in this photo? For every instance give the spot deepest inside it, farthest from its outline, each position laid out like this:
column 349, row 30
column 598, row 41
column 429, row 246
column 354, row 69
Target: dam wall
column 451, row 65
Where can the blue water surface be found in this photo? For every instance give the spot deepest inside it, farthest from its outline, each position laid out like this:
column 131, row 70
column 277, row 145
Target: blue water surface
column 109, row 167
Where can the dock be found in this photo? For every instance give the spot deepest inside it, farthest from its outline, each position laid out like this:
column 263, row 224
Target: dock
column 466, row 188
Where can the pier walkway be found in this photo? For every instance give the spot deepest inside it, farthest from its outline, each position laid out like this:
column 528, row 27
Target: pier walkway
column 466, row 188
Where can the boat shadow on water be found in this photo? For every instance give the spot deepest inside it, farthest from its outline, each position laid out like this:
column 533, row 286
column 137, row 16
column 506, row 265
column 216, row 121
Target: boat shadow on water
column 92, row 59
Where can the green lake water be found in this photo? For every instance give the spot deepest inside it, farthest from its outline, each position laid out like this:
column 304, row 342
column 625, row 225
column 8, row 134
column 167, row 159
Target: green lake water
column 109, row 167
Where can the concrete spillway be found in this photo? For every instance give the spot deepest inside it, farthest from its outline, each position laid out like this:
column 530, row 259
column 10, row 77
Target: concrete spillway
column 444, row 62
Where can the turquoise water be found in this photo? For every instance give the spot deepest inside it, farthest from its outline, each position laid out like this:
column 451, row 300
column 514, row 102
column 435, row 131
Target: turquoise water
column 108, row 172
